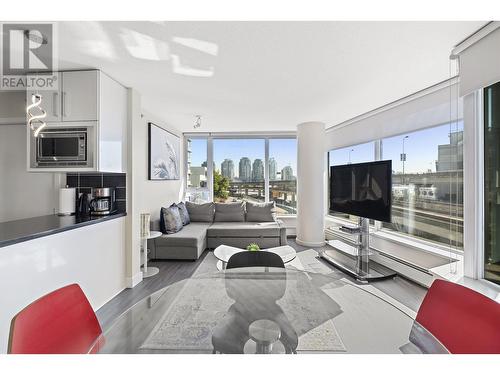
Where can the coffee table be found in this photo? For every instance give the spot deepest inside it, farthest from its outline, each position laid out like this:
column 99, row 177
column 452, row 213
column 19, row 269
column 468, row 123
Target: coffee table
column 224, row 252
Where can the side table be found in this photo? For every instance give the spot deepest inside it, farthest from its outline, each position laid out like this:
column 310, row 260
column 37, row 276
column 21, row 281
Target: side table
column 148, row 271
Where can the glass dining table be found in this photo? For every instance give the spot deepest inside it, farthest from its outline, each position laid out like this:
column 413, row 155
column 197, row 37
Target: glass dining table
column 265, row 310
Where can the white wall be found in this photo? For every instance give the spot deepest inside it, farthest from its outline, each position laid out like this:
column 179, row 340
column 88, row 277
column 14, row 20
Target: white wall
column 155, row 194
column 12, row 107
column 92, row 256
column 23, row 194
column 145, row 196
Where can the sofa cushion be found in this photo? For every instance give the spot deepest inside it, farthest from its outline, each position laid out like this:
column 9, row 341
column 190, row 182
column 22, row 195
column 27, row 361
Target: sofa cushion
column 190, row 236
column 260, row 212
column 184, row 213
column 201, row 212
column 243, row 230
column 171, row 221
column 230, row 212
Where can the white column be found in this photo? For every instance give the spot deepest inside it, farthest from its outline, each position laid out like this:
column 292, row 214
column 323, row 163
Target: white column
column 311, row 184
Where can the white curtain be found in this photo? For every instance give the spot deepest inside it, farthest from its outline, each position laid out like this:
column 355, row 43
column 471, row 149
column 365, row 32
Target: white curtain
column 480, row 63
column 431, row 107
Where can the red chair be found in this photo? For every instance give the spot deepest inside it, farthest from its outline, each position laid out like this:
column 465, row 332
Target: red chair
column 61, row 322
column 466, row 322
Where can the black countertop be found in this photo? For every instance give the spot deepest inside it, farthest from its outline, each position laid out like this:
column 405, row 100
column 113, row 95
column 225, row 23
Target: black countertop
column 12, row 232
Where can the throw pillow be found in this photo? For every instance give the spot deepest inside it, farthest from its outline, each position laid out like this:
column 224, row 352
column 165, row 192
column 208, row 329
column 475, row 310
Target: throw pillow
column 201, row 212
column 261, row 212
column 184, row 213
column 172, row 222
column 230, row 212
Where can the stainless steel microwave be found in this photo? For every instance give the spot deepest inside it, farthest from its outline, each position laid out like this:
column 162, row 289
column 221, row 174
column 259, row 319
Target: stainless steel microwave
column 63, row 147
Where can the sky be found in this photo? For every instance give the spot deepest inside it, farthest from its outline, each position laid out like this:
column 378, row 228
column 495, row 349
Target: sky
column 421, row 150
column 283, row 150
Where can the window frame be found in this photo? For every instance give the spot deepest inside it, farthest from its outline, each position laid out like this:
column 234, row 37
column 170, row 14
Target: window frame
column 210, row 137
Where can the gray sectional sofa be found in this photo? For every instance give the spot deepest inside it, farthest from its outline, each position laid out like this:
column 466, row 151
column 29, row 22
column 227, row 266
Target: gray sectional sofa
column 214, row 224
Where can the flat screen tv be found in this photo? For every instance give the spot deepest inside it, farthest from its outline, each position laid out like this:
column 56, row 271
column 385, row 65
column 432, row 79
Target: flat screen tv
column 363, row 189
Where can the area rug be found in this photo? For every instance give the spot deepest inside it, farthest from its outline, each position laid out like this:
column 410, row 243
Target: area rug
column 193, row 316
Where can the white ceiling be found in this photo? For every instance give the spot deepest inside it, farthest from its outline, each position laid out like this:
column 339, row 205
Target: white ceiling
column 262, row 76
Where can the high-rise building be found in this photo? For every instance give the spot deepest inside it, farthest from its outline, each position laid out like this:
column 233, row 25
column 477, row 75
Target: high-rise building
column 245, row 169
column 287, row 173
column 198, row 177
column 258, row 170
column 272, row 169
column 227, row 169
column 205, row 164
column 450, row 156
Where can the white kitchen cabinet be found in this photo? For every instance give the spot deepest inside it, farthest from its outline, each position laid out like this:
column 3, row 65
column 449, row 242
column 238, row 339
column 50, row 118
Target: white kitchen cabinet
column 88, row 99
column 75, row 97
column 113, row 115
column 51, row 100
column 80, row 95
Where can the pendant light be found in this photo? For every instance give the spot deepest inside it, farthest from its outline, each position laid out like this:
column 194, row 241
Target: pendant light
column 35, row 122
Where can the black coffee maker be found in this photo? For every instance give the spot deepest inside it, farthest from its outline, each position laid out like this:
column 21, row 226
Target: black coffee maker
column 83, row 205
column 103, row 201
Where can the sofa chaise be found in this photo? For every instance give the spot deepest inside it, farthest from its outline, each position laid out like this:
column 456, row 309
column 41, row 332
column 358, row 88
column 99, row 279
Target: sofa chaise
column 213, row 224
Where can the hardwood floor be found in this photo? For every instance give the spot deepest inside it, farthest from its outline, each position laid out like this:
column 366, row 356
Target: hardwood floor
column 405, row 291
column 170, row 272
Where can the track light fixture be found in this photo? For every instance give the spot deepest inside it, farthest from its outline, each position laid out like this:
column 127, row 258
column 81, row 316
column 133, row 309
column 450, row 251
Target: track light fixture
column 197, row 122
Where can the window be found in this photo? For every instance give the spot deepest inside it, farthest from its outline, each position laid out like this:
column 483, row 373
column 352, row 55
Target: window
column 242, row 170
column 282, row 175
column 364, row 152
column 239, row 171
column 197, row 183
column 492, row 183
column 427, row 183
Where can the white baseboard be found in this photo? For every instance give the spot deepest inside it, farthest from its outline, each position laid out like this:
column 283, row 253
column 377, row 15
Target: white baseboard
column 134, row 280
column 311, row 244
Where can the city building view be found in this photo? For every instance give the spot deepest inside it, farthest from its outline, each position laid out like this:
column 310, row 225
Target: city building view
column 242, row 175
column 427, row 182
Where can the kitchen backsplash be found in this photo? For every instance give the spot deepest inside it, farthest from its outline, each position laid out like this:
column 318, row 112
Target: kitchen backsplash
column 84, row 182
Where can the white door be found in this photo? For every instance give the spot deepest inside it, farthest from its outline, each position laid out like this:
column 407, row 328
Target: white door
column 80, row 96
column 51, row 100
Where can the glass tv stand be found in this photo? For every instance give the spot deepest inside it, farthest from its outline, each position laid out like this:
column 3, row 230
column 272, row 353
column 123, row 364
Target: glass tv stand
column 352, row 253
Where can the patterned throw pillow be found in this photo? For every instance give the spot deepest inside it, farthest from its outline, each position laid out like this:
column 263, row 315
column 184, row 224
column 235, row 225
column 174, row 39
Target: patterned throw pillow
column 184, row 213
column 171, row 220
